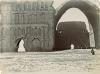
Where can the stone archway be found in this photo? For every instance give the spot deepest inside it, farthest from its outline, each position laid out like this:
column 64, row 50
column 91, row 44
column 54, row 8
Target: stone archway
column 36, row 44
column 90, row 10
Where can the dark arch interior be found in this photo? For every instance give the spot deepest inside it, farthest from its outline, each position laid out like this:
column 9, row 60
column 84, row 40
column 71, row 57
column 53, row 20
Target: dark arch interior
column 73, row 32
column 89, row 9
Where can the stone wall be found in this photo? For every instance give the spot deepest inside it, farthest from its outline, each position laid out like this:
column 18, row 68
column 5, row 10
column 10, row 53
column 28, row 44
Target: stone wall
column 32, row 20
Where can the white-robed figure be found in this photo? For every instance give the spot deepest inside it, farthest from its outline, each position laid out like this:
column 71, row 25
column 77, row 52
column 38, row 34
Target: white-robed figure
column 72, row 46
column 21, row 46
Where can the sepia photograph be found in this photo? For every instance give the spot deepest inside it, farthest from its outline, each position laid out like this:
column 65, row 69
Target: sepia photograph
column 49, row 36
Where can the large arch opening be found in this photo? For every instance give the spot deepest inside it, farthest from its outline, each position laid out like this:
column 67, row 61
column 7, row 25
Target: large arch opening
column 90, row 10
column 74, row 28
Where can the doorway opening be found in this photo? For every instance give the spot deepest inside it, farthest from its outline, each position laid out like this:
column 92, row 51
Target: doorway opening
column 36, row 45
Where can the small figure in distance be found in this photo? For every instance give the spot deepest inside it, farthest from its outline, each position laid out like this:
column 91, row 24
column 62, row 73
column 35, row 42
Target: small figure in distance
column 72, row 46
column 92, row 51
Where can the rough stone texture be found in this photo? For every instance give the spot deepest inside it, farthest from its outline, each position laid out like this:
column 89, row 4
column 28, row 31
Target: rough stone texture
column 31, row 20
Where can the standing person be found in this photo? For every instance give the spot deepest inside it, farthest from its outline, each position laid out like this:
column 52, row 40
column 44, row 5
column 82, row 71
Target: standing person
column 21, row 45
column 92, row 51
column 72, row 46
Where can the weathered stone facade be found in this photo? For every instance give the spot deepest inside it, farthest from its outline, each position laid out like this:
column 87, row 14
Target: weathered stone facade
column 32, row 20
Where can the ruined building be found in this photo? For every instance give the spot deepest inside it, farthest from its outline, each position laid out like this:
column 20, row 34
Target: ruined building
column 31, row 20
column 35, row 22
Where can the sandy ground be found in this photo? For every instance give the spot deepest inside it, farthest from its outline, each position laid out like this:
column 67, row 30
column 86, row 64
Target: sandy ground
column 77, row 60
